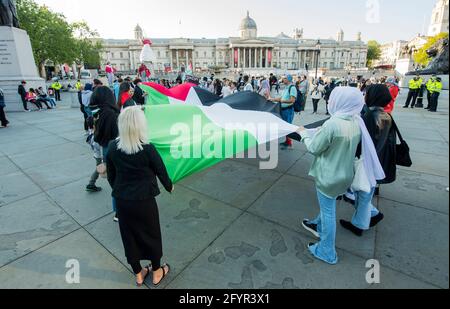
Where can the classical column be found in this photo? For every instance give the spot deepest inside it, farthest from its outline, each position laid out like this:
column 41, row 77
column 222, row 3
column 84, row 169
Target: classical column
column 251, row 58
column 178, row 59
column 245, row 58
column 267, row 57
column 187, row 59
column 239, row 58
column 260, row 57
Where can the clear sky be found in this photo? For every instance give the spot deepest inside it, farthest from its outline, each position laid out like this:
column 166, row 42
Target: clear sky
column 382, row 20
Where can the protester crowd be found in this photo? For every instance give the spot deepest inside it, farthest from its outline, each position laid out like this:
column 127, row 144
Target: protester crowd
column 358, row 143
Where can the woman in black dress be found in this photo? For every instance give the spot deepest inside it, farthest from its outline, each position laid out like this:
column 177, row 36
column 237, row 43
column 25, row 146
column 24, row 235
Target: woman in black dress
column 133, row 165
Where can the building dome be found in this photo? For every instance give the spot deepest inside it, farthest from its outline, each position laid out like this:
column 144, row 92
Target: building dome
column 248, row 28
column 248, row 23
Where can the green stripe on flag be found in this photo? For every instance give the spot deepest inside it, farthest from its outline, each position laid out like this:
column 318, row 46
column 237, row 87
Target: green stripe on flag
column 190, row 142
column 154, row 97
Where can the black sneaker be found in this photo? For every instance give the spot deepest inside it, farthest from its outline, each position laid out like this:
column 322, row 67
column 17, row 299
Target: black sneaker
column 346, row 199
column 377, row 219
column 405, row 106
column 349, row 226
column 312, row 228
column 93, row 188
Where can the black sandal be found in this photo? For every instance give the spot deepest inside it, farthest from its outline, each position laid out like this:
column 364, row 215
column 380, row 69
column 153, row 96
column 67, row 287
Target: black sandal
column 164, row 274
column 139, row 285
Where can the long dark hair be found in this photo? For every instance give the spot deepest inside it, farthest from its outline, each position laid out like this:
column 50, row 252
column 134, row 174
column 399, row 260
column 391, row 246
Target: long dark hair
column 103, row 97
column 124, row 87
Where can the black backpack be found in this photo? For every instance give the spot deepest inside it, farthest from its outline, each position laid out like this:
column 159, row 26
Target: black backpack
column 298, row 104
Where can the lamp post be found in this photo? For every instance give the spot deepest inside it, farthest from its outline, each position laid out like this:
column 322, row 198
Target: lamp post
column 318, row 48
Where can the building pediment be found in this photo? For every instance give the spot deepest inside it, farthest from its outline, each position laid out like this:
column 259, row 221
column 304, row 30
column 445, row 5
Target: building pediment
column 250, row 43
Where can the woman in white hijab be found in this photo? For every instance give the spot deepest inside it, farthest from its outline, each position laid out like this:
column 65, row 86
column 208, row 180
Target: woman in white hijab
column 334, row 147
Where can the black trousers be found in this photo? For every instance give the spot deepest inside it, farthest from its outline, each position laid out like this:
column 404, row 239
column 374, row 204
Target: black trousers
column 412, row 97
column 25, row 103
column 434, row 101
column 429, row 99
column 58, row 95
column 85, row 115
column 315, row 104
column 3, row 119
column 43, row 101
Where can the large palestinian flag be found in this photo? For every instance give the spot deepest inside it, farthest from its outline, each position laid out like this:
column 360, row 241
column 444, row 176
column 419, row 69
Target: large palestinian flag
column 192, row 133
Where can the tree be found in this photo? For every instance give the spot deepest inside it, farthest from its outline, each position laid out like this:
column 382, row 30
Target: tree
column 53, row 38
column 373, row 52
column 421, row 56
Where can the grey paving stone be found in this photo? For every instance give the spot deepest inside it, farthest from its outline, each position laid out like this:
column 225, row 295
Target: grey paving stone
column 284, row 159
column 60, row 173
column 46, row 268
column 254, row 253
column 293, row 199
column 30, row 224
column 51, row 154
column 414, row 241
column 24, row 146
column 419, row 189
column 8, row 167
column 189, row 223
column 302, row 167
column 233, row 182
column 84, row 207
column 429, row 147
column 391, row 279
column 16, row 186
column 429, row 164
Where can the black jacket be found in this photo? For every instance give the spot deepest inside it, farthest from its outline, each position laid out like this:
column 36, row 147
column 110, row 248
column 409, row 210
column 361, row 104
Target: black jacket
column 22, row 91
column 133, row 177
column 380, row 127
column 106, row 127
column 138, row 95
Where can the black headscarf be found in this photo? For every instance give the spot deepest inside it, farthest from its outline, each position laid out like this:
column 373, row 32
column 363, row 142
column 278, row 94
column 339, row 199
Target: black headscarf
column 106, row 128
column 378, row 95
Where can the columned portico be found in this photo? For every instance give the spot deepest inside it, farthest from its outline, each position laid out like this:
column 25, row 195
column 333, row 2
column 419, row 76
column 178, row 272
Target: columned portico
column 252, row 56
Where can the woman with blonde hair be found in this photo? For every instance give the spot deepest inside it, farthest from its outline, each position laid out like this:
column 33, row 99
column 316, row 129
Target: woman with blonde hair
column 133, row 164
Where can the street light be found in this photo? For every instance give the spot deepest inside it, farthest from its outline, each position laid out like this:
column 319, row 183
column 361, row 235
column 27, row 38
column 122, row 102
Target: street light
column 318, row 47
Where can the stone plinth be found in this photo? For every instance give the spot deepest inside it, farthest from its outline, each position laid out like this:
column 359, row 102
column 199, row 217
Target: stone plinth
column 16, row 64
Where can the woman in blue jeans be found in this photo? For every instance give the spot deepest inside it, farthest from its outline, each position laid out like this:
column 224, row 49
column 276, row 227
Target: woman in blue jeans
column 380, row 127
column 334, row 147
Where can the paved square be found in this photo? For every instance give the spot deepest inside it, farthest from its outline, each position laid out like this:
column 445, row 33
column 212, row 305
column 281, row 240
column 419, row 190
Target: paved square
column 232, row 226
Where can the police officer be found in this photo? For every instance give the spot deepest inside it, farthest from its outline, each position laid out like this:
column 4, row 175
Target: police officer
column 436, row 88
column 79, row 88
column 429, row 90
column 57, row 86
column 414, row 88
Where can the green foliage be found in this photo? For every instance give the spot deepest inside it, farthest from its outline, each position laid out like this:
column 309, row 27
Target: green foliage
column 421, row 56
column 373, row 52
column 54, row 39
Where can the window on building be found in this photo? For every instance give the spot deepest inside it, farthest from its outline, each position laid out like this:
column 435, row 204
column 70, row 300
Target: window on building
column 121, row 55
column 196, row 54
column 287, row 54
column 159, row 54
column 342, row 54
column 286, row 65
column 213, row 54
column 342, row 65
column 167, row 54
column 204, row 54
column 205, row 64
column 112, row 55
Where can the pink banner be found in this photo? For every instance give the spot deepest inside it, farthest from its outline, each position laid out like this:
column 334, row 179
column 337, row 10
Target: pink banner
column 236, row 55
column 269, row 57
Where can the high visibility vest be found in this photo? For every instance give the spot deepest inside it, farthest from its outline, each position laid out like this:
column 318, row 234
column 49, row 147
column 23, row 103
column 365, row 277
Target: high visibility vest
column 414, row 85
column 56, row 86
column 430, row 84
column 437, row 87
column 78, row 86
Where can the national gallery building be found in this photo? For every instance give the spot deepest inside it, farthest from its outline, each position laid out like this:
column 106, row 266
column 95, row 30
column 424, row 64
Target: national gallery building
column 247, row 52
